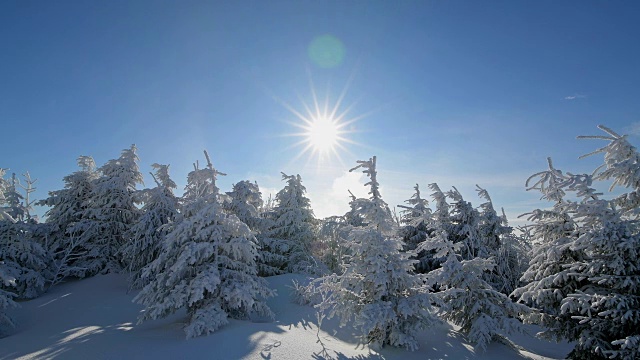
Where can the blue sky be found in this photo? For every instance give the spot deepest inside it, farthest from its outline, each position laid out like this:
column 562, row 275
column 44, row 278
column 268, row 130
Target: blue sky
column 454, row 92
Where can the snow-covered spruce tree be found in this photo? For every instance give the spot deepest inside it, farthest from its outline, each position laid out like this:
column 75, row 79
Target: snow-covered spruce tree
column 6, row 299
column 68, row 205
column 353, row 217
column 207, row 266
column 110, row 213
column 21, row 255
column 147, row 234
column 6, row 280
column 331, row 247
column 378, row 292
column 416, row 220
column 24, row 259
column 509, row 252
column 14, row 207
column 464, row 220
column 599, row 305
column 245, row 201
column 549, row 279
column 467, row 300
column 292, row 233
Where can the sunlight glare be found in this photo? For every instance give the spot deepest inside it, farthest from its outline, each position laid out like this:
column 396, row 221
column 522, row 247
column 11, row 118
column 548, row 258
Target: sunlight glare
column 323, row 134
column 324, row 127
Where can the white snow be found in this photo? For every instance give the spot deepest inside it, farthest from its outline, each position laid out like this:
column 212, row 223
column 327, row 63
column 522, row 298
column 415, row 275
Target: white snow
column 95, row 318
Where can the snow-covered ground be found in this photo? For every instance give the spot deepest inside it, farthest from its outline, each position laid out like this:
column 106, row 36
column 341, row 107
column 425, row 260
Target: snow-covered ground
column 95, row 319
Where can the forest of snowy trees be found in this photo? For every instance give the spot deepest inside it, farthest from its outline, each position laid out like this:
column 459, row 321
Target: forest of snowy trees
column 574, row 269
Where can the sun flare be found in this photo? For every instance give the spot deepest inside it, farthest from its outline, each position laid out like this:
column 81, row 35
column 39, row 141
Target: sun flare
column 324, row 128
column 323, row 134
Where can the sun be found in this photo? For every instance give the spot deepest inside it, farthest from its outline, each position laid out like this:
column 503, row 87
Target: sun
column 323, row 134
column 324, row 127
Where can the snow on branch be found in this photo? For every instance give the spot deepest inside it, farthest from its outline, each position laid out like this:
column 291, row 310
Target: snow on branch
column 369, row 167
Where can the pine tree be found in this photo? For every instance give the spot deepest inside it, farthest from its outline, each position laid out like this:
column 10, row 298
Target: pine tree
column 292, row 233
column 21, row 255
column 508, row 251
column 331, row 247
column 207, row 266
column 68, row 206
column 468, row 301
column 23, row 258
column 585, row 280
column 15, row 209
column 245, row 201
column 549, row 279
column 110, row 213
column 147, row 234
column 416, row 220
column 378, row 291
column 464, row 220
column 6, row 298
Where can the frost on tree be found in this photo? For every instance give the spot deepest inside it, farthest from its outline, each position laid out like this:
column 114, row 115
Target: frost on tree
column 6, row 298
column 147, row 234
column 245, row 201
column 292, row 233
column 377, row 293
column 584, row 277
column 508, row 251
column 464, row 220
column 110, row 213
column 68, row 205
column 208, row 266
column 416, row 220
column 467, row 300
column 23, row 258
column 331, row 247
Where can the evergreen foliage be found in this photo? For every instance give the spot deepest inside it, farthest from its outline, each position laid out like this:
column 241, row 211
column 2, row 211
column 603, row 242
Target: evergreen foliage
column 245, row 201
column 378, row 292
column 160, row 209
column 292, row 233
column 584, row 277
column 466, row 299
column 109, row 214
column 6, row 299
column 416, row 221
column 23, row 260
column 67, row 208
column 207, row 266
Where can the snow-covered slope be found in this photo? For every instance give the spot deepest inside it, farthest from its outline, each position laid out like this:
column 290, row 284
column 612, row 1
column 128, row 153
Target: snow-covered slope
column 95, row 319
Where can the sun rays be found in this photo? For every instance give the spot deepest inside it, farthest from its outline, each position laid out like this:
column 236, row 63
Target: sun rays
column 324, row 127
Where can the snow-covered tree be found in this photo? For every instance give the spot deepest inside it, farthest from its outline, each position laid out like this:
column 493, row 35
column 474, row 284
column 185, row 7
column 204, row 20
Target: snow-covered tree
column 292, row 233
column 208, row 266
column 416, row 220
column 110, row 214
column 508, row 251
column 549, row 279
column 6, row 299
column 353, row 217
column 147, row 234
column 464, row 220
column 585, row 274
column 331, row 247
column 378, row 292
column 467, row 300
column 245, row 201
column 68, row 206
column 22, row 257
column 14, row 208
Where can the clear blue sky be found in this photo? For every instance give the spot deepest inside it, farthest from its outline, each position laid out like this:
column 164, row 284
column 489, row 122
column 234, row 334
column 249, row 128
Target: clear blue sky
column 458, row 92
